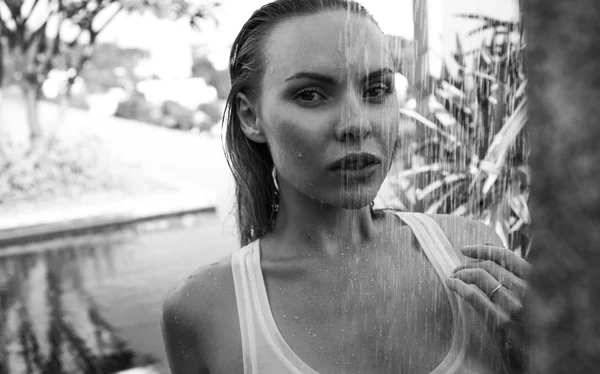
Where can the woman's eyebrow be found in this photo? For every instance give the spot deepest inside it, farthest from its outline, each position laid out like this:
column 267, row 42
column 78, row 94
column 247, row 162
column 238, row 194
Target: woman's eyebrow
column 377, row 74
column 314, row 76
column 333, row 80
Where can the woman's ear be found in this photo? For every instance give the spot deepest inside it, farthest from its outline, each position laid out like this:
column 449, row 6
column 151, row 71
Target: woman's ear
column 247, row 113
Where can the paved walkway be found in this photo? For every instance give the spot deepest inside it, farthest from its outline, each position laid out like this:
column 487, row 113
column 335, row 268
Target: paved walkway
column 191, row 166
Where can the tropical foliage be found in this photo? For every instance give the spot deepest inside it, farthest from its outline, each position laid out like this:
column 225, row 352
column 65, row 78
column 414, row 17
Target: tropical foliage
column 469, row 155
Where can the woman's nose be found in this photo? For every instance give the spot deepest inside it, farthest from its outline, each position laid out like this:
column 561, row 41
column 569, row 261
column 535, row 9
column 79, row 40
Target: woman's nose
column 354, row 123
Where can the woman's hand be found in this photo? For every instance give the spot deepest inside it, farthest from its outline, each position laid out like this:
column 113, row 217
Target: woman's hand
column 494, row 283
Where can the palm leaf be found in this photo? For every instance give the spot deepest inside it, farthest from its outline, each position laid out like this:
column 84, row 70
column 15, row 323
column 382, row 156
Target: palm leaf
column 434, row 207
column 430, row 125
column 488, row 20
column 447, row 180
column 421, row 169
column 501, row 143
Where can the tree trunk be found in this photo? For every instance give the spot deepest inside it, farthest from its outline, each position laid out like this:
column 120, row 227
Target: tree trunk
column 31, row 94
column 564, row 305
column 427, row 20
column 427, row 15
column 2, row 130
column 2, row 72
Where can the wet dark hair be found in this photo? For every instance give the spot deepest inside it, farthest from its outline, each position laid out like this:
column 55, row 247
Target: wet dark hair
column 250, row 162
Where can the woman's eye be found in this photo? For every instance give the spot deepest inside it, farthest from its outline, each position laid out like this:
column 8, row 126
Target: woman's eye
column 378, row 91
column 310, row 95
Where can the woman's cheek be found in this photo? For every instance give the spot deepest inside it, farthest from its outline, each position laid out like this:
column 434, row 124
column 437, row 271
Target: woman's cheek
column 391, row 129
column 289, row 152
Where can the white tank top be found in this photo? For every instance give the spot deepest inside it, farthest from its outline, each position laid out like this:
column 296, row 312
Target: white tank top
column 264, row 349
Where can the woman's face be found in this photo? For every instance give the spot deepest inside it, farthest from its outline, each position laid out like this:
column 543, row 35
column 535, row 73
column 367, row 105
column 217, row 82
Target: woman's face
column 328, row 92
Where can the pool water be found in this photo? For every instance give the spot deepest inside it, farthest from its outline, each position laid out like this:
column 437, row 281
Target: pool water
column 91, row 304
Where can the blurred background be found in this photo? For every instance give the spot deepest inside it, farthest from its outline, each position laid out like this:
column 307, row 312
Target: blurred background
column 113, row 182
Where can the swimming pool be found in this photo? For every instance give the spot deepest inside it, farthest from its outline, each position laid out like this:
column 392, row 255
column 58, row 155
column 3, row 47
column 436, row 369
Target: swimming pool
column 92, row 303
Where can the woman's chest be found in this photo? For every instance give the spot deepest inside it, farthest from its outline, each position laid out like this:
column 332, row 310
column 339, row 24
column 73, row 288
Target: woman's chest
column 377, row 314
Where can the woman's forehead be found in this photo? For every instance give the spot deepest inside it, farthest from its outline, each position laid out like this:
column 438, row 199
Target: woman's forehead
column 335, row 43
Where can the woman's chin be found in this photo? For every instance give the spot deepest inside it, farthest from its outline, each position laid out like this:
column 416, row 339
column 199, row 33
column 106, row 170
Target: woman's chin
column 355, row 202
column 346, row 198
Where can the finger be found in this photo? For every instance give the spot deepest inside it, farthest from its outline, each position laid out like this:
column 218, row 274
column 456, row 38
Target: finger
column 478, row 277
column 502, row 256
column 506, row 330
column 502, row 275
column 493, row 315
column 502, row 297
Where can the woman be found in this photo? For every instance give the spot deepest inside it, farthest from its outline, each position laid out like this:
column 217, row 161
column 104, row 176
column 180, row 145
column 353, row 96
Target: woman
column 323, row 283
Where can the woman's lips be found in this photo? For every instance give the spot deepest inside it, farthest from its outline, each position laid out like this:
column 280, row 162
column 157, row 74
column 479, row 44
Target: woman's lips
column 364, row 172
column 356, row 161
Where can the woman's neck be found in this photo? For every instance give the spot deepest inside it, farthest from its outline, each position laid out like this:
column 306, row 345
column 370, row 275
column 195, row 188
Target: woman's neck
column 308, row 225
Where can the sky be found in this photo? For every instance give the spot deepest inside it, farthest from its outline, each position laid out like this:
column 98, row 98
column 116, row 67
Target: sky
column 166, row 39
column 169, row 41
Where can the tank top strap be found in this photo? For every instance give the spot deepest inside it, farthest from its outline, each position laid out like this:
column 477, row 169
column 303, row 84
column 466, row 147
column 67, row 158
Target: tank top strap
column 241, row 266
column 444, row 259
column 434, row 242
column 264, row 348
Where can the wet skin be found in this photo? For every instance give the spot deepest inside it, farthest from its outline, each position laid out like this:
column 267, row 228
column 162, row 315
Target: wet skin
column 328, row 90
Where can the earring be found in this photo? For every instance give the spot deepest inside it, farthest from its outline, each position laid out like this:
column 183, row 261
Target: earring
column 274, row 174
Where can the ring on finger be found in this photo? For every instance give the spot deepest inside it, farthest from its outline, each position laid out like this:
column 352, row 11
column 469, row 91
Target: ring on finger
column 494, row 291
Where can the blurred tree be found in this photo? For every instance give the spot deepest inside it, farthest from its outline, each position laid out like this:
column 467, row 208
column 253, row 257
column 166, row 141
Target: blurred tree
column 136, row 107
column 112, row 66
column 39, row 35
column 204, row 68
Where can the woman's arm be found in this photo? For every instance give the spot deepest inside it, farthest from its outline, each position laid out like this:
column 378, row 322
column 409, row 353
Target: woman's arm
column 180, row 325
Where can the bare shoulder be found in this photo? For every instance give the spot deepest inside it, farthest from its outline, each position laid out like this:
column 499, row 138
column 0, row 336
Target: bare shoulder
column 462, row 231
column 196, row 313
